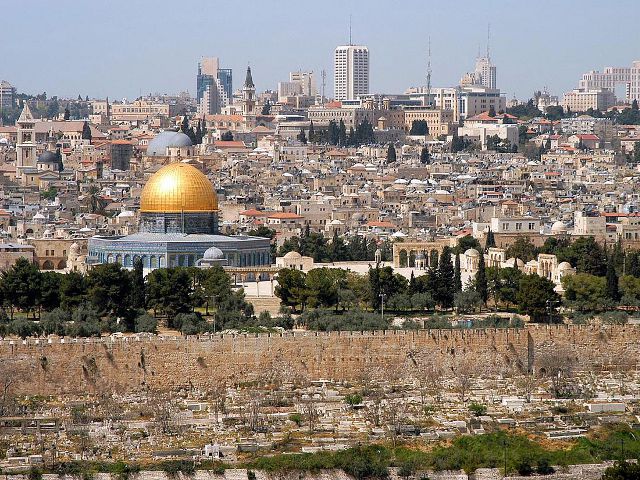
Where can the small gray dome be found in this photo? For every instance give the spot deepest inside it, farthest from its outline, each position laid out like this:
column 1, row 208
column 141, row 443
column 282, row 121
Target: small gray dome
column 166, row 139
column 47, row 157
column 213, row 253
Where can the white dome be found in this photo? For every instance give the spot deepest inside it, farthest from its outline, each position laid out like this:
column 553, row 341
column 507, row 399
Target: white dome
column 564, row 266
column 558, row 227
column 213, row 253
column 292, row 254
column 472, row 252
column 166, row 139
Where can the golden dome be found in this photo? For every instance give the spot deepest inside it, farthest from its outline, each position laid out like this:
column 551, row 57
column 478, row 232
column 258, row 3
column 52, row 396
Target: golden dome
column 178, row 187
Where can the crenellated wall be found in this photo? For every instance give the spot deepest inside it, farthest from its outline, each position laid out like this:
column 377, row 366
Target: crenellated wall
column 124, row 364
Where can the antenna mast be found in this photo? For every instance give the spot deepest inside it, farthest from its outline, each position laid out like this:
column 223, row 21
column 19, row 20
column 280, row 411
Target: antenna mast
column 488, row 39
column 350, row 43
column 429, row 74
column 323, row 74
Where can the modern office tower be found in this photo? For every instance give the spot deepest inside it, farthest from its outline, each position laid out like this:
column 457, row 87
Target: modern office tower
column 307, row 82
column 486, row 72
column 351, row 72
column 214, row 86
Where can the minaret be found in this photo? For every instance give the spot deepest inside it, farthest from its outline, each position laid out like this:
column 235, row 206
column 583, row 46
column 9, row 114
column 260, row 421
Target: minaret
column 26, row 141
column 249, row 101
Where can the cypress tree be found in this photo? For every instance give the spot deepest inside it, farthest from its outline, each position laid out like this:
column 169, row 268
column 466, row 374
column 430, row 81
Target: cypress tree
column 457, row 274
column 342, row 134
column 137, row 285
column 481, row 280
column 425, row 156
column 445, row 279
column 413, row 286
column 633, row 266
column 312, row 133
column 86, row 131
column 613, row 291
column 391, row 153
column 491, row 241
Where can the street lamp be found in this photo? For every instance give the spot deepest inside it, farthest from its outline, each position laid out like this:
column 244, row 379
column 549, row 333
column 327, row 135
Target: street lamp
column 382, row 297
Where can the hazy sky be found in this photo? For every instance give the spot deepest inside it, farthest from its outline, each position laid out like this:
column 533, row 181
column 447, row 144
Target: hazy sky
column 123, row 48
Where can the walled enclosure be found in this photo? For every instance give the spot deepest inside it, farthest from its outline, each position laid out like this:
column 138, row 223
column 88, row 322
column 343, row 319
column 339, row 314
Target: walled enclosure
column 49, row 367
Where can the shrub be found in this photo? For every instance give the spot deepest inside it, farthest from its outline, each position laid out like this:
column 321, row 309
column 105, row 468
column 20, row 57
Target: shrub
column 296, row 418
column 353, row 399
column 146, row 323
column 478, row 409
column 544, row 467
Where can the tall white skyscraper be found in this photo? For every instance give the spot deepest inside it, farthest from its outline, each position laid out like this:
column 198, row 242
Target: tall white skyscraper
column 486, row 72
column 351, row 72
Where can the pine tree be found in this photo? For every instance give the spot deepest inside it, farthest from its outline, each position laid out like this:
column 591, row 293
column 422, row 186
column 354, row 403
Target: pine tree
column 491, row 241
column 351, row 138
column 492, row 111
column 334, row 133
column 481, row 280
column 457, row 274
column 67, row 113
column 613, row 290
column 634, row 105
column 391, row 153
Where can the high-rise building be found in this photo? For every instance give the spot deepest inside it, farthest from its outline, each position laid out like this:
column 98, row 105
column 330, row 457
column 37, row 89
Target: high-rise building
column 307, row 82
column 214, row 86
column 611, row 77
column 351, row 72
column 7, row 95
column 483, row 75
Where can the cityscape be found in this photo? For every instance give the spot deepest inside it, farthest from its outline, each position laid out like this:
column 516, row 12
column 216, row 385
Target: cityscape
column 302, row 262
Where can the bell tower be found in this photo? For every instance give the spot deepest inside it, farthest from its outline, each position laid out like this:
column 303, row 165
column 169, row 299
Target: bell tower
column 26, row 140
column 248, row 96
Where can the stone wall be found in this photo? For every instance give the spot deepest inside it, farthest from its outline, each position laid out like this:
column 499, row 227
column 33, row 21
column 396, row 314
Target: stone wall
column 59, row 366
column 583, row 472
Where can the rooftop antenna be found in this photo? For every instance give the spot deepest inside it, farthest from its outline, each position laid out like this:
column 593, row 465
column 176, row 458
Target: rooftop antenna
column 350, row 30
column 323, row 74
column 429, row 74
column 488, row 39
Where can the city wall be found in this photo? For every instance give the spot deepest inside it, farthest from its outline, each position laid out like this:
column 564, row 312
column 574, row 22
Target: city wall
column 74, row 366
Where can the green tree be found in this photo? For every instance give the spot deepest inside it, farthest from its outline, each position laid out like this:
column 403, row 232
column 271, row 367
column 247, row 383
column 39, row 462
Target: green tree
column 312, row 133
column 457, row 274
column 302, row 136
column 523, row 249
column 425, row 156
column 587, row 255
column 467, row 242
column 445, row 279
column 170, row 291
column 585, row 292
column 419, row 127
column 492, row 111
column 137, row 285
column 108, row 289
column 383, row 281
column 323, row 286
column 391, row 153
column 613, row 289
column 338, row 250
column 622, row 470
column 342, row 134
column 481, row 280
column 21, row 286
column 73, row 290
column 49, row 297
column 67, row 113
column 491, row 240
column 227, row 136
column 86, row 131
column 291, row 288
column 536, row 297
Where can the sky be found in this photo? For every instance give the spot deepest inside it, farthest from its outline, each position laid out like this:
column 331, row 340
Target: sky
column 123, row 49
